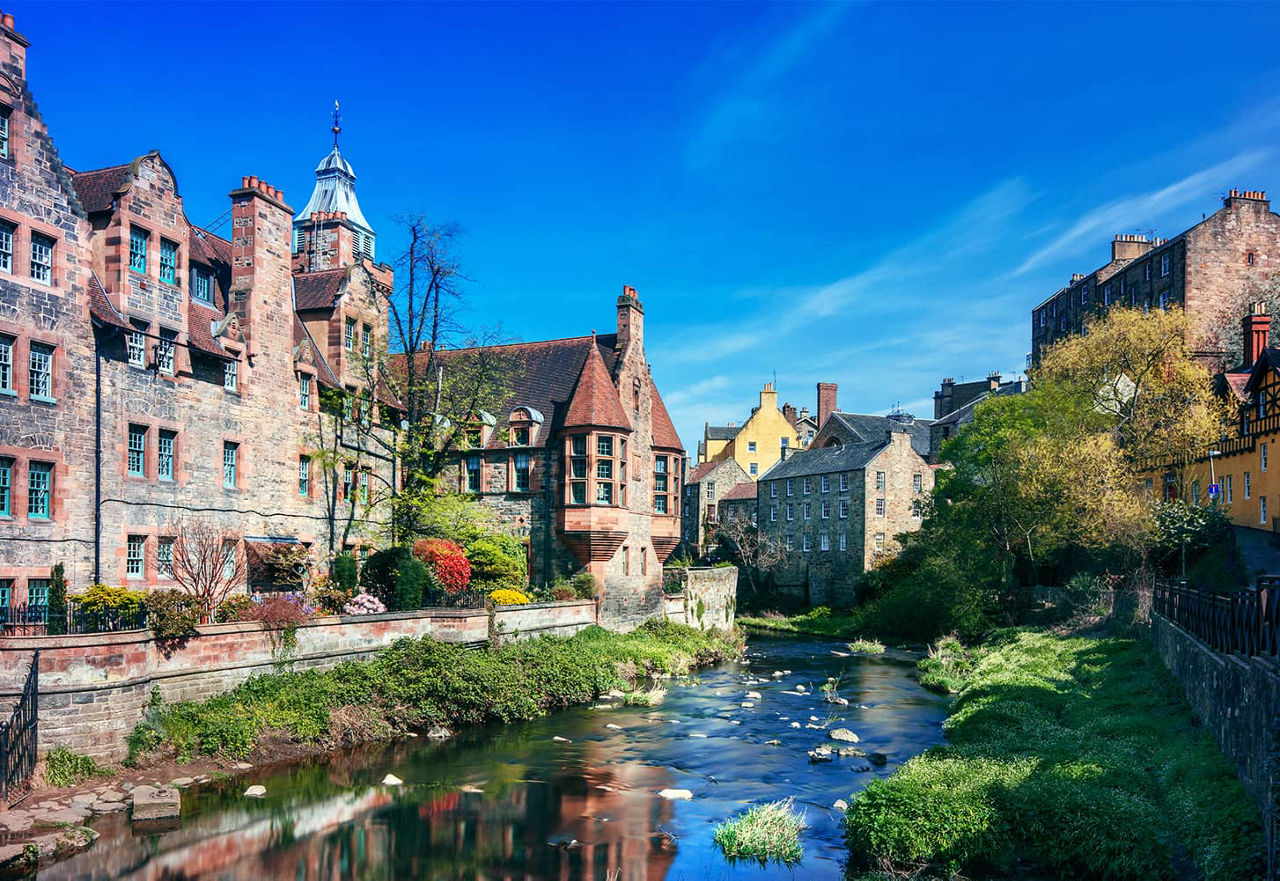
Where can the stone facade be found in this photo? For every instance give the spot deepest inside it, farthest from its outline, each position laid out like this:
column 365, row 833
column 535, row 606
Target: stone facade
column 1203, row 269
column 835, row 509
column 702, row 598
column 703, row 489
column 152, row 371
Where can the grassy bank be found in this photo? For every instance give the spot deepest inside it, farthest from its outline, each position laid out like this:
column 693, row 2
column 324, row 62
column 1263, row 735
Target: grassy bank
column 417, row 683
column 1069, row 757
column 818, row 621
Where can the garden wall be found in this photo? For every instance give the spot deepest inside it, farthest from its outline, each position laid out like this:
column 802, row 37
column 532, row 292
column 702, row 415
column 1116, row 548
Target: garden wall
column 94, row 688
column 701, row 597
column 1234, row 697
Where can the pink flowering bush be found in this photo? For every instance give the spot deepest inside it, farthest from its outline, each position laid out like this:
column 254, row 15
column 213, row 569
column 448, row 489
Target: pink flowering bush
column 364, row 604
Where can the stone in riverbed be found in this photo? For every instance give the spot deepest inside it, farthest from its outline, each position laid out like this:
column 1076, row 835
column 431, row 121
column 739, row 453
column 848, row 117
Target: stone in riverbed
column 71, row 816
column 840, row 805
column 391, row 780
column 613, row 727
column 83, row 798
column 559, row 739
column 108, row 807
column 846, row 751
column 110, row 795
column 820, row 754
column 773, row 743
column 156, row 803
column 675, row 794
column 795, row 724
column 753, row 696
column 181, row 781
column 747, row 705
column 842, row 734
column 439, row 732
column 878, row 759
column 256, row 791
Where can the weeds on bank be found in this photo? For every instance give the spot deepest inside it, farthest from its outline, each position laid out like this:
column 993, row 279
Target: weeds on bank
column 765, row 832
column 867, row 647
column 1075, row 757
column 62, row 767
column 417, row 683
column 948, row 665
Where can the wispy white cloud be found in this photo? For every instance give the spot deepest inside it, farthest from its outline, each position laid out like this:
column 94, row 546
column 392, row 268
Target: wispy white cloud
column 1146, row 207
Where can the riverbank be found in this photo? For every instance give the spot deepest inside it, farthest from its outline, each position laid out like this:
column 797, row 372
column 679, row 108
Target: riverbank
column 1067, row 756
column 818, row 621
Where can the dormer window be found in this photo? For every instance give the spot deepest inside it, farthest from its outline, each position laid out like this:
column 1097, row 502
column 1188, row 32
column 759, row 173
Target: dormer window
column 520, row 436
column 1250, row 259
column 138, row 239
column 201, row 285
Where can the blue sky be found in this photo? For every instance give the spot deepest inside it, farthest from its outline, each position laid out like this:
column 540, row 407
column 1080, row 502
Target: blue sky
column 871, row 194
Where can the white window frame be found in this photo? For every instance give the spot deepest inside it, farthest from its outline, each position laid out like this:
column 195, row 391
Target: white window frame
column 135, row 343
column 135, row 560
column 231, row 376
column 42, row 249
column 805, row 543
column 824, row 542
column 304, row 391
column 881, row 507
column 7, row 234
column 40, row 375
column 304, row 476
column 7, row 344
column 844, row 481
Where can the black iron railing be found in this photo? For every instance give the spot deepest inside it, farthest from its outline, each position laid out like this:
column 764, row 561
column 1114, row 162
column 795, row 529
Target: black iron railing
column 34, row 619
column 439, row 598
column 1245, row 622
column 18, row 736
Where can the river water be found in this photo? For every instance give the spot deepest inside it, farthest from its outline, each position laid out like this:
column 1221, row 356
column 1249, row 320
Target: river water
column 509, row 802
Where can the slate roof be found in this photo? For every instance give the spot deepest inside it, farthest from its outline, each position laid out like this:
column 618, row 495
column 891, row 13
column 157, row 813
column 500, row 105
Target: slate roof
column 595, row 398
column 723, row 432
column 867, row 428
column 213, row 252
column 317, row 290
column 746, row 490
column 97, row 189
column 964, row 415
column 827, row 460
column 665, row 435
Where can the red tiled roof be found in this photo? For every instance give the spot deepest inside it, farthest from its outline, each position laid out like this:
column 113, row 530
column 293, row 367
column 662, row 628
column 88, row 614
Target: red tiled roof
column 595, row 398
column 200, row 320
column 664, row 432
column 1237, row 382
column 317, row 290
column 741, row 491
column 324, row 373
column 702, row 471
column 97, row 189
column 100, row 306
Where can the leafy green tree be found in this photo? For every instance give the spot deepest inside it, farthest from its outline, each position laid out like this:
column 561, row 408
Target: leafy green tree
column 395, row 577
column 56, row 621
column 344, row 572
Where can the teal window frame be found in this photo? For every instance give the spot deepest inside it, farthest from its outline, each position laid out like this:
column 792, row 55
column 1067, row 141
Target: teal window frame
column 5, row 114
column 166, row 446
column 138, row 240
column 137, row 460
column 39, row 491
column 230, row 464
column 6, row 487
column 169, row 262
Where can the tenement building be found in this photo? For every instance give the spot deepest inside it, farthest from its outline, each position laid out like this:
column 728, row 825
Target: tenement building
column 704, row 488
column 153, row 373
column 954, row 403
column 835, row 508
column 1206, row 270
column 583, row 458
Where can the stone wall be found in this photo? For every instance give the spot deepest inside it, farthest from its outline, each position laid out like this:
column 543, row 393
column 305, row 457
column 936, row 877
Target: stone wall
column 1235, row 698
column 708, row 596
column 94, row 689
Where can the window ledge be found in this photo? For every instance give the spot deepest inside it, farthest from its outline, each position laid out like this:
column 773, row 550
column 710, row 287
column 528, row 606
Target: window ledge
column 8, row 392
column 41, row 399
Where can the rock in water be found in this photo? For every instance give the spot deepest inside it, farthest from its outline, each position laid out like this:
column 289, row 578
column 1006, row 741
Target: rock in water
column 753, row 695
column 846, row 751
column 613, row 727
column 157, row 802
column 840, row 805
column 675, row 793
column 439, row 732
column 799, row 688
column 843, row 734
column 746, row 705
column 820, row 754
column 795, row 724
column 256, row 791
column 773, row 743
column 559, row 739
column 878, row 759
column 391, row 780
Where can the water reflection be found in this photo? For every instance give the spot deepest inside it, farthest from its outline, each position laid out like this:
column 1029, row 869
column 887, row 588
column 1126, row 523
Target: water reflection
column 509, row 802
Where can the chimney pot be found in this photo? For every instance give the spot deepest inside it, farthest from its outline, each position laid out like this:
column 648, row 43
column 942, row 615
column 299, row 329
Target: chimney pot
column 1257, row 332
column 8, row 20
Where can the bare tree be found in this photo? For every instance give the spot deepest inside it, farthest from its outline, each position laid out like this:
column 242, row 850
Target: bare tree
column 754, row 550
column 207, row 563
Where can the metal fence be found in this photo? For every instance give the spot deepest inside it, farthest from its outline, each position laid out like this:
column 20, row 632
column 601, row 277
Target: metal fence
column 34, row 619
column 1246, row 622
column 439, row 598
column 18, row 737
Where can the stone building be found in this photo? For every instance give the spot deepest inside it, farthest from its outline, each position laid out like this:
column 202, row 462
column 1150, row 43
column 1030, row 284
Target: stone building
column 835, row 508
column 1204, row 269
column 953, row 406
column 152, row 371
column 583, row 459
column 739, row 503
column 704, row 487
column 845, row 429
column 757, row 443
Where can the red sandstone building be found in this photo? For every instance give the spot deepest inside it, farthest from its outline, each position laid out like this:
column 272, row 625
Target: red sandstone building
column 151, row 370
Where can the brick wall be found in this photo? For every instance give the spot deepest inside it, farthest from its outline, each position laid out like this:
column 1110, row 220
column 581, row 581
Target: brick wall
column 94, row 689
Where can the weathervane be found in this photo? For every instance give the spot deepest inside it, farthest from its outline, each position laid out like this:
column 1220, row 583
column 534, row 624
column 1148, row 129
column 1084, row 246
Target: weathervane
column 337, row 124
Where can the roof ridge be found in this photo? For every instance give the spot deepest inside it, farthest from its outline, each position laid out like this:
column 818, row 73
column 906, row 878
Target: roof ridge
column 104, row 168
column 567, row 339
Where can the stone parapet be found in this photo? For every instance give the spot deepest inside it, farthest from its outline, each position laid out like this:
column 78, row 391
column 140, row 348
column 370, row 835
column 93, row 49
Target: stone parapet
column 701, row 597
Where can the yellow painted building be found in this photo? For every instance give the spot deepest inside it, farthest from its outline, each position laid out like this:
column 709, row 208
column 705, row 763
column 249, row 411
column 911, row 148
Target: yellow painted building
column 756, row 444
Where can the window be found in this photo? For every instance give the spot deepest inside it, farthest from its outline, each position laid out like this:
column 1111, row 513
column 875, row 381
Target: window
column 711, row 490
column 6, row 363
column 660, row 484
column 1164, row 265
column 826, row 510
column 604, row 445
column 165, row 350
column 578, row 468
column 1164, row 300
column 751, row 446
column 1248, row 485
column 604, row 493
column 879, row 541
column 1084, row 295
column 6, row 592
column 1263, row 458
column 228, row 559
column 6, row 246
column 473, row 474
column 135, row 344
column 804, row 543
column 660, row 504
column 773, row 489
column 844, row 510
column 40, row 380
column 349, row 338
column 917, row 483
column 1250, row 259
column 773, row 513
column 824, row 542
column 520, row 436
column 364, row 487
column 644, row 561
column 201, row 285
column 304, row 391
column 230, row 375
column 879, row 507
column 844, row 481
column 1043, row 318
column 168, row 261
column 1106, row 295
column 138, row 249
column 1229, row 489
column 805, row 486
column 1146, row 271
column 164, row 557
column 522, row 472
column 578, row 493
column 39, row 490
column 133, row 561
column 788, row 544
column 4, row 139
column 880, row 480
column 825, row 483
column 6, row 487
column 137, row 451
column 164, row 454
column 626, row 560
column 304, row 476
column 790, row 487
column 791, row 511
column 1262, row 508
column 844, row 541
column 785, row 441
column 753, row 469
column 41, row 258
column 604, row 471
column 230, row 452
column 366, row 341
column 805, row 510
column 38, row 593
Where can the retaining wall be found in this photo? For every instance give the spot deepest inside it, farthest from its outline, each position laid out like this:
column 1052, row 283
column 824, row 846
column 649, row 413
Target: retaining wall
column 94, row 688
column 708, row 597
column 1235, row 698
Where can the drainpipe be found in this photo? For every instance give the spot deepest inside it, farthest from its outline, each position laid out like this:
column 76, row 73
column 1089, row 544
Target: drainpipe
column 97, row 459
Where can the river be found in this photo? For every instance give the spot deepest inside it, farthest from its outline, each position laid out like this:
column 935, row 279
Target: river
column 509, row 801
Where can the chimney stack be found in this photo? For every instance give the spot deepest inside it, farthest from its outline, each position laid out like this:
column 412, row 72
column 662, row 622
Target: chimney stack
column 13, row 47
column 826, row 401
column 630, row 319
column 1129, row 246
column 789, row 413
column 1256, row 333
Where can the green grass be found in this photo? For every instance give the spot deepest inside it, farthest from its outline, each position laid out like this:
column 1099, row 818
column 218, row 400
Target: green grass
column 948, row 665
column 416, row 683
column 62, row 767
column 867, row 647
column 765, row 832
column 844, row 624
column 1068, row 757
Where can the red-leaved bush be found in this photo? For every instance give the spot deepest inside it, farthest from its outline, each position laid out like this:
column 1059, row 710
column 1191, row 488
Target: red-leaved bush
column 447, row 560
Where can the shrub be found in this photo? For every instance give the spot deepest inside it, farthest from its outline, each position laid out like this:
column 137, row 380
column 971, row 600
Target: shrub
column 396, row 578
column 867, row 647
column 277, row 611
column 330, row 597
column 233, row 608
column 344, row 572
column 563, row 592
column 172, row 614
column 585, row 586
column 56, row 619
column 765, row 832
column 62, row 767
column 364, row 604
column 100, row 598
column 447, row 560
column 504, row 597
column 497, row 561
